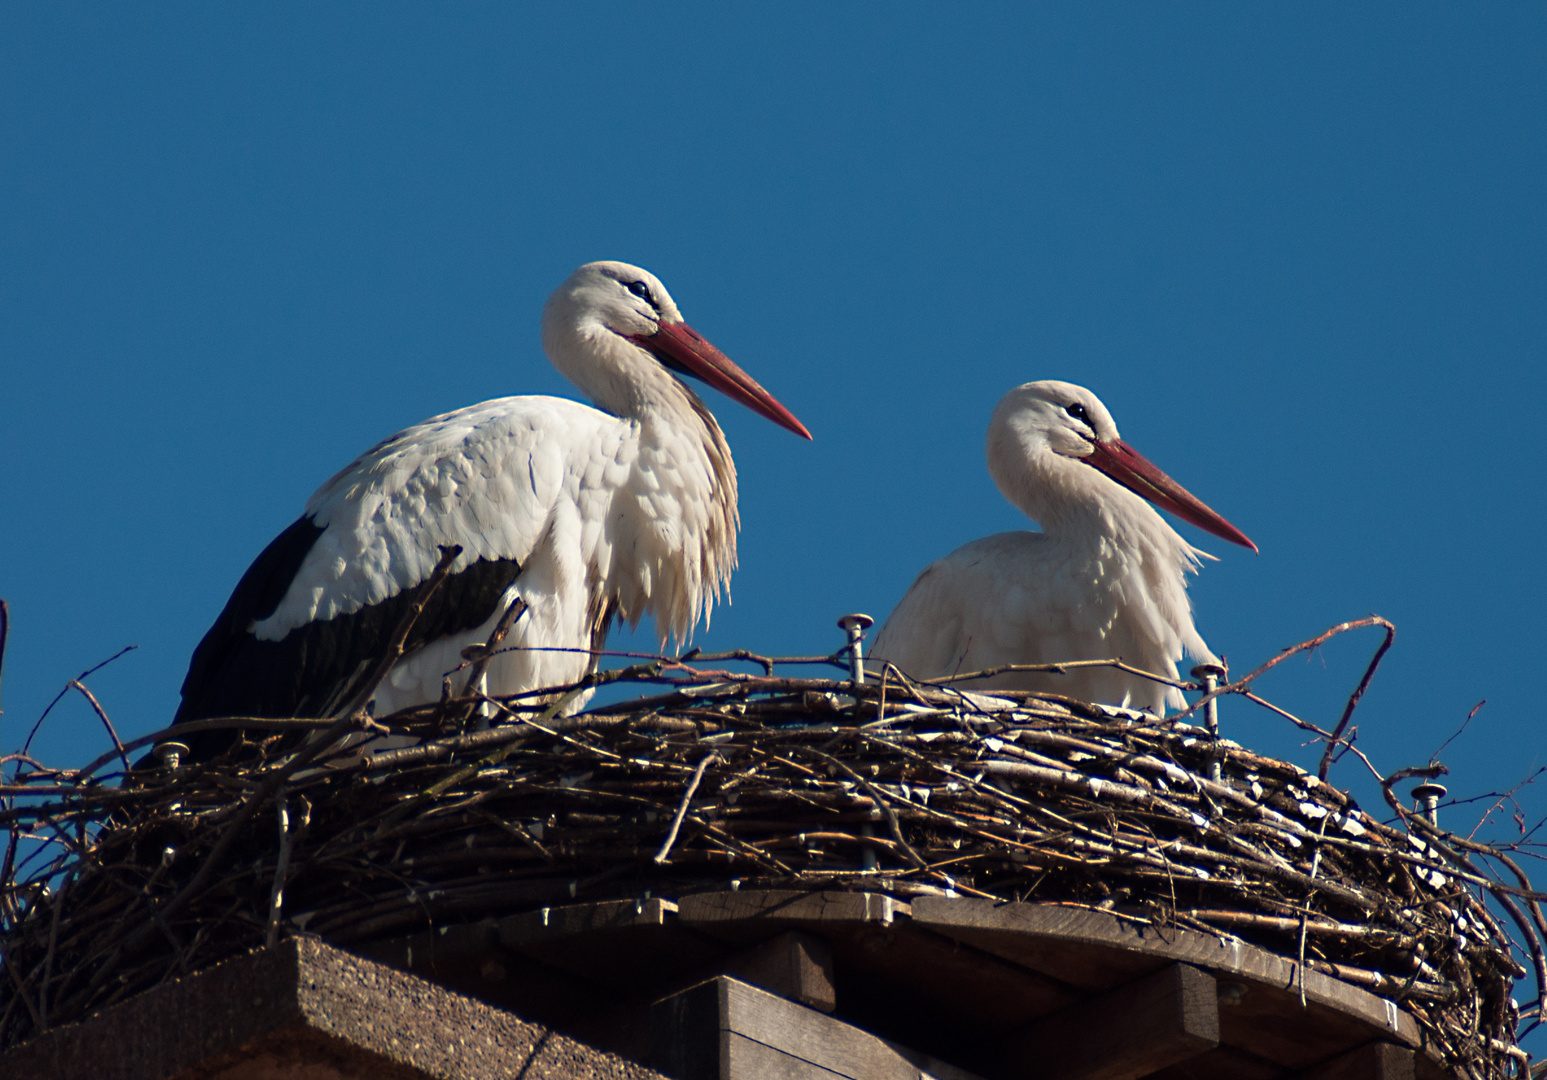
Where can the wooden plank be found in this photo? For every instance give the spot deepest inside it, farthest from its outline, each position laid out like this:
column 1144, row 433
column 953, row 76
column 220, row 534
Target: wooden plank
column 871, row 938
column 1372, row 1061
column 1155, row 1022
column 899, row 968
column 743, row 1057
column 1049, row 938
column 724, row 1028
column 1092, row 948
column 737, row 914
column 792, row 965
column 623, row 943
column 1270, row 1022
column 685, row 1032
column 804, row 1033
column 620, row 944
column 550, row 922
column 747, row 1059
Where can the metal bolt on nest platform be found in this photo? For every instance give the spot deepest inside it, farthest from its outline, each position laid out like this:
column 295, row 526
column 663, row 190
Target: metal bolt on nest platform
column 855, row 626
column 1427, row 797
column 1209, row 675
column 170, row 754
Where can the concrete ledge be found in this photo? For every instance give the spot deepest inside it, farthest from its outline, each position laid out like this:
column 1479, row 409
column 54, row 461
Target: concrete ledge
column 306, row 1011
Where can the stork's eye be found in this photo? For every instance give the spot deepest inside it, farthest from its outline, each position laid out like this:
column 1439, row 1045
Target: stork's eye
column 641, row 290
column 1078, row 412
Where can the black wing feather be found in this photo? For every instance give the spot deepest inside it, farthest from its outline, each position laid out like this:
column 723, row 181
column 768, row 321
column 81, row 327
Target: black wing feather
column 315, row 668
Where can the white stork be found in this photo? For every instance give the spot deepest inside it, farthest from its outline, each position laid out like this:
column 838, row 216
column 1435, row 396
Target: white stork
column 1105, row 578
column 588, row 515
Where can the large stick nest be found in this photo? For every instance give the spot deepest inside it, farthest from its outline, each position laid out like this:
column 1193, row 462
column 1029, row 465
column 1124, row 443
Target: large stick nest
column 751, row 781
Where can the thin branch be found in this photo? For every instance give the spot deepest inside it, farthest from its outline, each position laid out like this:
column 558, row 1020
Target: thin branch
column 188, row 727
column 288, row 835
column 57, row 903
column 27, row 746
column 1456, row 734
column 682, row 808
column 1262, row 669
column 882, row 803
column 1353, row 699
column 397, row 645
column 1062, row 668
column 96, row 707
column 5, row 634
column 484, row 653
column 21, row 989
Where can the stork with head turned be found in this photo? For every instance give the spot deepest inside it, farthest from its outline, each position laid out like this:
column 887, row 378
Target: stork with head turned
column 587, row 515
column 1104, row 579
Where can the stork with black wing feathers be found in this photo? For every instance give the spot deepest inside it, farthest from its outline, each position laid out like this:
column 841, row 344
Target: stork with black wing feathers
column 587, row 515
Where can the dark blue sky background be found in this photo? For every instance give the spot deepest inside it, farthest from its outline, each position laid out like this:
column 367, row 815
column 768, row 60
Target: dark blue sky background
column 1299, row 253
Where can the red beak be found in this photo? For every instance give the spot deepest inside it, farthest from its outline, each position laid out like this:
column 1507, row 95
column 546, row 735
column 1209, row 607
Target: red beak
column 678, row 345
column 1135, row 472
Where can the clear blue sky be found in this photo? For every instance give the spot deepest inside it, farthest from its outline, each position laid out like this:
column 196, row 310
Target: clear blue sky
column 1299, row 252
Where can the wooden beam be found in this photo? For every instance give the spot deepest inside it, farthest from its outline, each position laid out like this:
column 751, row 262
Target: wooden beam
column 1137, row 1029
column 725, row 1029
column 1372, row 1061
column 793, row 965
column 590, row 939
column 548, row 923
column 623, row 945
column 737, row 914
column 1064, row 941
column 685, row 1032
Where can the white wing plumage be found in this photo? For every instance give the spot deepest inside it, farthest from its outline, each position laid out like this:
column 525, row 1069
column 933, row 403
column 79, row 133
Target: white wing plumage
column 529, row 479
column 490, row 477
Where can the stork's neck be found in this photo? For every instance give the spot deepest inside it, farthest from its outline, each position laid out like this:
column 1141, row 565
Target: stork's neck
column 679, row 441
column 1116, row 545
column 684, row 486
column 622, row 378
column 679, row 422
column 1079, row 507
column 675, row 420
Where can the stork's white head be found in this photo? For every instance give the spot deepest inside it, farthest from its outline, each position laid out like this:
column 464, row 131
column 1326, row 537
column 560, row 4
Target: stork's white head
column 614, row 331
column 1044, row 435
column 609, row 297
column 1052, row 416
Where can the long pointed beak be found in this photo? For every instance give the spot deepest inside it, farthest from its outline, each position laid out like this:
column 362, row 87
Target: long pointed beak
column 678, row 345
column 1136, row 473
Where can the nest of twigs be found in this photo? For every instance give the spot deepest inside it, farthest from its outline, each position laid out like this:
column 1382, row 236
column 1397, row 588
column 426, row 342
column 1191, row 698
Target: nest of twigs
column 754, row 781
